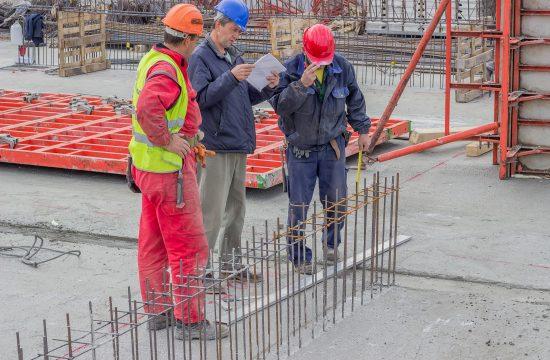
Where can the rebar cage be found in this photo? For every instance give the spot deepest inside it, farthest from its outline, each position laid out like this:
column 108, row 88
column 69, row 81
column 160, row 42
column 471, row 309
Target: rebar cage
column 264, row 318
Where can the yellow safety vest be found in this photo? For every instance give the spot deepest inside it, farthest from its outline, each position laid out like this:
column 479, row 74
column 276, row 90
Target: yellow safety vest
column 145, row 155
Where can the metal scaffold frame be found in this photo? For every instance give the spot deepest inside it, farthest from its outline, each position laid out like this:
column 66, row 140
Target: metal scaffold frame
column 503, row 130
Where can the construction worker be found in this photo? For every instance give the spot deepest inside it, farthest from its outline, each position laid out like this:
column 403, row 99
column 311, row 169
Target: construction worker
column 218, row 73
column 311, row 102
column 165, row 132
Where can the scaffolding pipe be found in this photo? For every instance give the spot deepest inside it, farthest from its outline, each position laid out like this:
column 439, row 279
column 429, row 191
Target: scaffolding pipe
column 408, row 72
column 448, row 69
column 464, row 135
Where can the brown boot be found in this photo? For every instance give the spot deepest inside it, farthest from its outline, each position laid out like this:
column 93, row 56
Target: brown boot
column 305, row 268
column 331, row 256
column 243, row 275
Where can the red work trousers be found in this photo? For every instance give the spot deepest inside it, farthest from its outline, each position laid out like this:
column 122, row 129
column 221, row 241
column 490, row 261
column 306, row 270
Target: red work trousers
column 171, row 237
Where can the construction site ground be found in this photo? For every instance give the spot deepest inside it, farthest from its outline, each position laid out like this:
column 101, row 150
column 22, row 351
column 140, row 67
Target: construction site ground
column 474, row 282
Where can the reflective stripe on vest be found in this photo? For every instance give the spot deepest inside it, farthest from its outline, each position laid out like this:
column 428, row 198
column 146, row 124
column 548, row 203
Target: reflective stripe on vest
column 145, row 155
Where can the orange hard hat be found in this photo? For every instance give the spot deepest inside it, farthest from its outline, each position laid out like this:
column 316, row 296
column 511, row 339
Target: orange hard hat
column 183, row 19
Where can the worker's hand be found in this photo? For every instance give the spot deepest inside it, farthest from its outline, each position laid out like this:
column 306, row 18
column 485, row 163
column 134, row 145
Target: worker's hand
column 363, row 142
column 178, row 145
column 273, row 80
column 242, row 71
column 308, row 77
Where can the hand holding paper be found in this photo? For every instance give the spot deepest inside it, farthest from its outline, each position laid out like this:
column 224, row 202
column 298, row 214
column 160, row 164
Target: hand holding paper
column 263, row 72
column 273, row 80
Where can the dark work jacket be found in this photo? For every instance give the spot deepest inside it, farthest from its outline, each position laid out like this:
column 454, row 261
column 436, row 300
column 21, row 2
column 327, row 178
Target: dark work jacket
column 309, row 122
column 34, row 28
column 225, row 103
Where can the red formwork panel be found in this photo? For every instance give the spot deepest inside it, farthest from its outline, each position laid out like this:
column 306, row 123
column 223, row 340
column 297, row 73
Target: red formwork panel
column 60, row 131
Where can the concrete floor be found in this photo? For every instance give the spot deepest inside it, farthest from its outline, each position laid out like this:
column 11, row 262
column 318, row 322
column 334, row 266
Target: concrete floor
column 479, row 259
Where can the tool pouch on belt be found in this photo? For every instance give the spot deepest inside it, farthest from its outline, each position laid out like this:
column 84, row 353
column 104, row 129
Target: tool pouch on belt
column 130, row 179
column 347, row 135
column 285, row 165
column 334, row 144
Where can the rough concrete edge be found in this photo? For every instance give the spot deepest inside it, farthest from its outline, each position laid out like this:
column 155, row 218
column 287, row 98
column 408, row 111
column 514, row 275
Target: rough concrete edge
column 468, row 279
column 60, row 234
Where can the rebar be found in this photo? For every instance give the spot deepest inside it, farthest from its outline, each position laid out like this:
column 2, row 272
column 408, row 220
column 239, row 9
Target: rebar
column 118, row 335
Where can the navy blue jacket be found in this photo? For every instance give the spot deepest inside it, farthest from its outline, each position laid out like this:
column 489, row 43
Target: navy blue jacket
column 225, row 103
column 34, row 28
column 309, row 122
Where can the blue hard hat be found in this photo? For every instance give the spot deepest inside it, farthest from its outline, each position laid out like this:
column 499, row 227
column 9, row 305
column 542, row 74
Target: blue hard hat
column 235, row 10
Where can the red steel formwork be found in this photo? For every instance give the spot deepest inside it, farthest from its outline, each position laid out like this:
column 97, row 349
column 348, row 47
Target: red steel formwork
column 519, row 24
column 92, row 134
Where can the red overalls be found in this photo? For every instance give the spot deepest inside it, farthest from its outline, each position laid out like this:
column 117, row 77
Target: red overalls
column 169, row 236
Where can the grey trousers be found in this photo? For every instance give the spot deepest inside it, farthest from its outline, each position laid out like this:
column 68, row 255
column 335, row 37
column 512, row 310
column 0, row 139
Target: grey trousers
column 223, row 199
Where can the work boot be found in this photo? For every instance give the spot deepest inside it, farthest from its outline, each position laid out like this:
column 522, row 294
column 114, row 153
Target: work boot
column 305, row 267
column 213, row 285
column 243, row 275
column 159, row 322
column 331, row 256
column 201, row 330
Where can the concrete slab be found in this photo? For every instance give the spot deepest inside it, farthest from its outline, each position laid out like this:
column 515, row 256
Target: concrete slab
column 539, row 162
column 434, row 319
column 535, row 55
column 534, row 135
column 535, row 26
column 535, row 81
column 535, row 109
column 62, row 286
column 535, row 4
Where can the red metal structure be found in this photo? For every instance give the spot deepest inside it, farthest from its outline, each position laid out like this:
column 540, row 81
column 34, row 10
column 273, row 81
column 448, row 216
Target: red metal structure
column 516, row 28
column 92, row 134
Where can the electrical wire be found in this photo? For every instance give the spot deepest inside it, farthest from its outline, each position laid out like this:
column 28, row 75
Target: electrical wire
column 30, row 252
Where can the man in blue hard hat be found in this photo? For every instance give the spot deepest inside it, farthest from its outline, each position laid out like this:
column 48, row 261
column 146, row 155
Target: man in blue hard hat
column 218, row 74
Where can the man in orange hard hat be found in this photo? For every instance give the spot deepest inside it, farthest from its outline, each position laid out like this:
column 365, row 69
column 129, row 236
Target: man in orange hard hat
column 165, row 133
column 318, row 97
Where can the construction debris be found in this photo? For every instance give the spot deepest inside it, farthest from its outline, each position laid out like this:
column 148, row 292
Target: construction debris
column 478, row 148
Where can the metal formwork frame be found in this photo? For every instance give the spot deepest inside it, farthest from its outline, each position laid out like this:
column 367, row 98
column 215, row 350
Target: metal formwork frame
column 90, row 133
column 503, row 131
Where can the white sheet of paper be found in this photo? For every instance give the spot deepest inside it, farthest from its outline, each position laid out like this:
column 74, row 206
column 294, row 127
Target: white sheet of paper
column 264, row 67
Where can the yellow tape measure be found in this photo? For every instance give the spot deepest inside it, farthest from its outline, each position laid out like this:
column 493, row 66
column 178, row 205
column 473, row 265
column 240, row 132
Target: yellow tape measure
column 359, row 166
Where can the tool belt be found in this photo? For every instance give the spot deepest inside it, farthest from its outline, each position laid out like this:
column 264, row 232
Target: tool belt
column 299, row 153
column 334, row 144
column 194, row 143
column 130, row 178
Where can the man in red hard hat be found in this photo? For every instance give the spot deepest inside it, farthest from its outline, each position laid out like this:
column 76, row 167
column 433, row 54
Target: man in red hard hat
column 318, row 97
column 165, row 133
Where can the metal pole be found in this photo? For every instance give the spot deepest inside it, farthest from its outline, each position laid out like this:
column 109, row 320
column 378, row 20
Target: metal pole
column 505, row 88
column 448, row 69
column 408, row 73
column 437, row 142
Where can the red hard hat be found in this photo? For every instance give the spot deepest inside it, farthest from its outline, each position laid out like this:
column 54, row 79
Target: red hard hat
column 319, row 44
